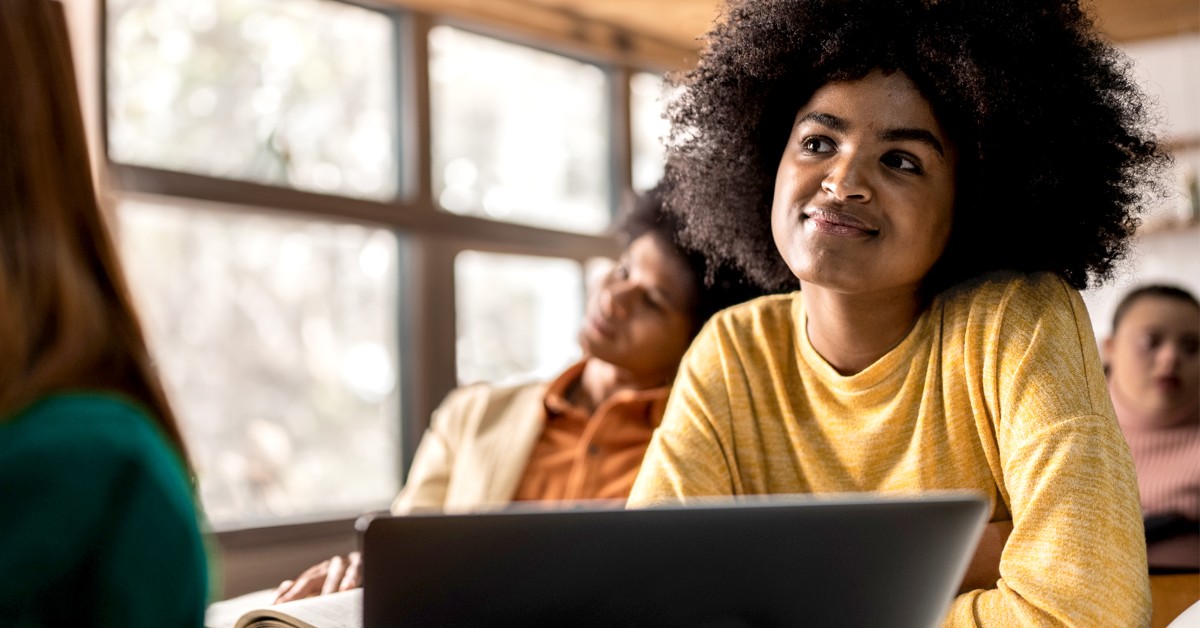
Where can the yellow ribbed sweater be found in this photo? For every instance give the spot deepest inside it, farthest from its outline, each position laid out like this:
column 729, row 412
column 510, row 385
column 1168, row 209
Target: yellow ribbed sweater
column 998, row 388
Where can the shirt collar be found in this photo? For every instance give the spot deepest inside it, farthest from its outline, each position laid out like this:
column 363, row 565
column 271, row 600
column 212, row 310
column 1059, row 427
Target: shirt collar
column 556, row 403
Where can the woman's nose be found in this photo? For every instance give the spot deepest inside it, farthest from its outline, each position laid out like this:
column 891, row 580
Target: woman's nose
column 617, row 298
column 1168, row 356
column 846, row 180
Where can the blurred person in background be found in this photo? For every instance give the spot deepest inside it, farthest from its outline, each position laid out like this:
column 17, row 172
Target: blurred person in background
column 99, row 516
column 580, row 437
column 1151, row 357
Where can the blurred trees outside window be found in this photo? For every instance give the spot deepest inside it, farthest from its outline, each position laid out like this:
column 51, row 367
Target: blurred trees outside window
column 267, row 221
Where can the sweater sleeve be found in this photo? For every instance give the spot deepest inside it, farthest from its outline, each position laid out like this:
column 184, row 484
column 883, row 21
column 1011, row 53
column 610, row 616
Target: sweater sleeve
column 686, row 458
column 1076, row 556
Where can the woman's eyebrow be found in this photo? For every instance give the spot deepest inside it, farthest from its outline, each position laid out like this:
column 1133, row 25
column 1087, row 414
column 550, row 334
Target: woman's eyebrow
column 824, row 119
column 835, row 123
column 915, row 135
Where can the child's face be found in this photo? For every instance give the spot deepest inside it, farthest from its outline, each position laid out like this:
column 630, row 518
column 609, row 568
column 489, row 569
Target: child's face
column 864, row 194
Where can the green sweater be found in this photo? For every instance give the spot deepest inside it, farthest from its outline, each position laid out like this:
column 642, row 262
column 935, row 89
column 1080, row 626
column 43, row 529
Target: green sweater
column 99, row 524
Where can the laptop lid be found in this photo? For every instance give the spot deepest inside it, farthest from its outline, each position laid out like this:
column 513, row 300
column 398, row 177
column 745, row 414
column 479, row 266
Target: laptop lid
column 841, row 560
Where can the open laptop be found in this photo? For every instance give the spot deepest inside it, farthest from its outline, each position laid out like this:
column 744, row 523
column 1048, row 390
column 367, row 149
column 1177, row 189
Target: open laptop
column 841, row 560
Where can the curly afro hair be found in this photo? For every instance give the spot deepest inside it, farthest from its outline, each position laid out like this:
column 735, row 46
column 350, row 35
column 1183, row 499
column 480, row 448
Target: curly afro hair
column 1057, row 159
column 717, row 287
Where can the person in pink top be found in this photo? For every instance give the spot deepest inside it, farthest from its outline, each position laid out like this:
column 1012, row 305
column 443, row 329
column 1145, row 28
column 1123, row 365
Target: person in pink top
column 1152, row 358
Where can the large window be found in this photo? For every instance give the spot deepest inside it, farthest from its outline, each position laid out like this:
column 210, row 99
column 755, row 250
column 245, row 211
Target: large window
column 649, row 128
column 296, row 93
column 277, row 337
column 518, row 316
column 518, row 134
column 306, row 315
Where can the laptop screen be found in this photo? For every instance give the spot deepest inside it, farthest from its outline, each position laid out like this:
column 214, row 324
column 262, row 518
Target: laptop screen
column 826, row 560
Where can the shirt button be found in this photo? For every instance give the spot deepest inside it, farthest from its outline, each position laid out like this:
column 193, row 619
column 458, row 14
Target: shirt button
column 593, row 450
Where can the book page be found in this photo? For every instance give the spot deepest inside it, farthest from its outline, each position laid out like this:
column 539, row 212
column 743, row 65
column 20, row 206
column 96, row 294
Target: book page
column 254, row 610
column 225, row 613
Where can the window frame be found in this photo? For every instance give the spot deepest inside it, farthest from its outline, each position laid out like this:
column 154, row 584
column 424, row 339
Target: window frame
column 429, row 238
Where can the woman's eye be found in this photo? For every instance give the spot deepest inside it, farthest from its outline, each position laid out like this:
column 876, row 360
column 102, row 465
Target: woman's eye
column 652, row 302
column 817, row 144
column 902, row 161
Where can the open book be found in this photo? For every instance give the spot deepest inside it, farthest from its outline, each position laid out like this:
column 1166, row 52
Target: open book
column 254, row 610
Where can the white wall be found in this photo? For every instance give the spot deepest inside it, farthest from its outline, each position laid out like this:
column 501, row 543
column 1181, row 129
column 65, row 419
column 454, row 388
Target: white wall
column 1165, row 256
column 1168, row 249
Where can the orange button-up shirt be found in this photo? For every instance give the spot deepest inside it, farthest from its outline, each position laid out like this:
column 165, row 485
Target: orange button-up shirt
column 584, row 457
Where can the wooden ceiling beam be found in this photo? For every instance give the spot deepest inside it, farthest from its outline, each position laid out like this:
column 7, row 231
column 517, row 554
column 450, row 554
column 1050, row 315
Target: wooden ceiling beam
column 667, row 33
column 1126, row 21
column 566, row 28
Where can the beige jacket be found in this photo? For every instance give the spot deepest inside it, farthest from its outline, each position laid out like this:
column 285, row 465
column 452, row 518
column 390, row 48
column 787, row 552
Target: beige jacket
column 474, row 453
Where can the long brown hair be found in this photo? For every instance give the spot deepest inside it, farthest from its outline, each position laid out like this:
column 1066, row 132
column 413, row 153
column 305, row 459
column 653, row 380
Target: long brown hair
column 66, row 318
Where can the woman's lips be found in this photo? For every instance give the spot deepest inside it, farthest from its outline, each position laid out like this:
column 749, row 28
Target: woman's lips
column 838, row 223
column 1168, row 383
column 601, row 326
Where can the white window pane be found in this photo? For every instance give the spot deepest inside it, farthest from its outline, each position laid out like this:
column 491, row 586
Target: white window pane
column 276, row 338
column 518, row 135
column 649, row 129
column 518, row 316
column 297, row 93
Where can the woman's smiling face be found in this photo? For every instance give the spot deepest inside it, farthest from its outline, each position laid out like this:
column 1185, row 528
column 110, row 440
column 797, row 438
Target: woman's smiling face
column 864, row 193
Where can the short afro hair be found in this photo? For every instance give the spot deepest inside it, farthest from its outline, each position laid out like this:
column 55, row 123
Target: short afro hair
column 1162, row 291
column 1057, row 160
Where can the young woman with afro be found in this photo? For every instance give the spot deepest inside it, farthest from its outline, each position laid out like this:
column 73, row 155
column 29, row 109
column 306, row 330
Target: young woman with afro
column 931, row 182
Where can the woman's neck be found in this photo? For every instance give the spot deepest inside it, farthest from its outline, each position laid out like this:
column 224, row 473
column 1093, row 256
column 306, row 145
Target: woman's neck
column 601, row 380
column 851, row 332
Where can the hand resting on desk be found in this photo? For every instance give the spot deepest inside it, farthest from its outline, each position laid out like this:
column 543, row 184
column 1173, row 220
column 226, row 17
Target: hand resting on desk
column 327, row 576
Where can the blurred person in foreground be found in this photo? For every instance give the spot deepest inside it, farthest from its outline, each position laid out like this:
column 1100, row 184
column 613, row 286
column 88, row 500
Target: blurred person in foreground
column 580, row 437
column 1152, row 357
column 99, row 518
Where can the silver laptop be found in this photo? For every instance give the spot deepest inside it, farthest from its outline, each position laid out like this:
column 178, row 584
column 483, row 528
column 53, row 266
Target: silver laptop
column 842, row 560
